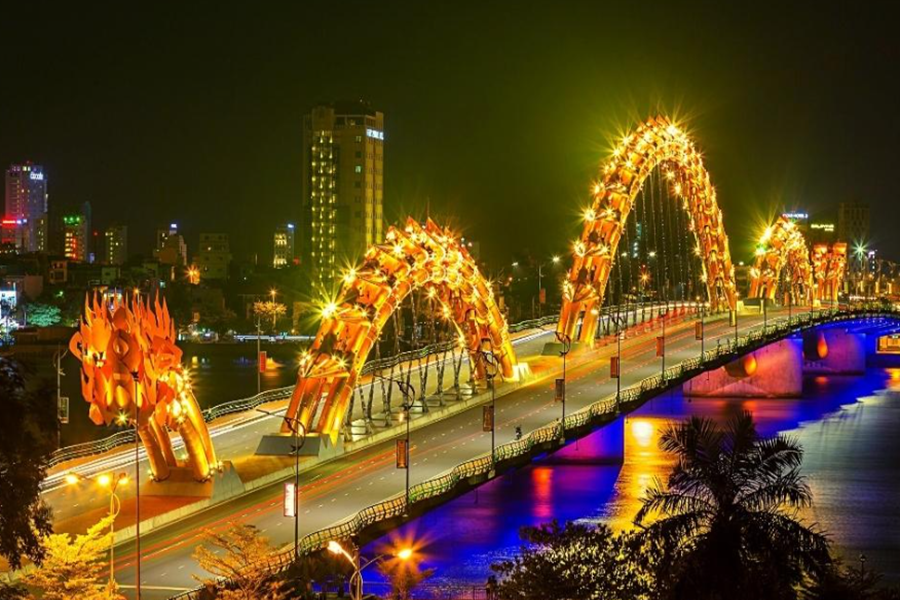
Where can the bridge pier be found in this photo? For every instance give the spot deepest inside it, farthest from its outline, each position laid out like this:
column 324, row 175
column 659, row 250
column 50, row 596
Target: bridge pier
column 834, row 351
column 775, row 371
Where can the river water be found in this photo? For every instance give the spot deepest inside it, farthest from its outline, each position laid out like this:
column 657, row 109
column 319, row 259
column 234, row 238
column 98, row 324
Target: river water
column 847, row 425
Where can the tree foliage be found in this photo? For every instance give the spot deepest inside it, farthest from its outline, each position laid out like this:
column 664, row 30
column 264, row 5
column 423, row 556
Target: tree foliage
column 239, row 567
column 269, row 310
column 12, row 592
column 73, row 566
column 840, row 582
column 576, row 561
column 404, row 576
column 728, row 513
column 28, row 435
column 42, row 315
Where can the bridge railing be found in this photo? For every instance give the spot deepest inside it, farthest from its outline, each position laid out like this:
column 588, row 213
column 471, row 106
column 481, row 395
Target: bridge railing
column 396, row 507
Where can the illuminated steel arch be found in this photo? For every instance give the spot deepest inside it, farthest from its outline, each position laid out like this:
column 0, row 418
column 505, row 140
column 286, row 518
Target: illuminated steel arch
column 829, row 265
column 781, row 246
column 656, row 143
column 414, row 257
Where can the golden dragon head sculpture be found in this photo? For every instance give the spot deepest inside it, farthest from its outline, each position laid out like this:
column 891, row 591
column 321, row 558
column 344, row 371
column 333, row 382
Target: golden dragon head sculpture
column 131, row 373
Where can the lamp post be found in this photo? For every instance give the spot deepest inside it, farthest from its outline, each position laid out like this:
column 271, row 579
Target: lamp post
column 555, row 260
column 409, row 392
column 115, row 507
column 735, row 322
column 137, row 486
column 566, row 342
column 299, row 439
column 662, row 349
column 619, row 335
column 273, row 292
column 258, row 354
column 356, row 580
column 60, row 354
column 490, row 372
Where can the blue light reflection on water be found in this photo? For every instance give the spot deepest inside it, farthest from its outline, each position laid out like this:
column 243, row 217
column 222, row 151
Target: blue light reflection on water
column 588, row 480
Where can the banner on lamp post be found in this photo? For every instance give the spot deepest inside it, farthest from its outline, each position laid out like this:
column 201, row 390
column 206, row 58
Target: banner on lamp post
column 660, row 345
column 290, row 499
column 487, row 418
column 402, row 454
column 698, row 330
column 263, row 359
column 560, row 389
column 614, row 367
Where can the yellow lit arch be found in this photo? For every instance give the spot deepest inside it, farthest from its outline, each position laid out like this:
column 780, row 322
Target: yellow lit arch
column 414, row 257
column 782, row 245
column 656, row 143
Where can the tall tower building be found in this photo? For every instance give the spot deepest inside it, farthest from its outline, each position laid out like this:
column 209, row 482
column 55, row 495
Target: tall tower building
column 26, row 205
column 115, row 245
column 284, row 246
column 75, row 237
column 213, row 256
column 171, row 249
column 853, row 222
column 343, row 186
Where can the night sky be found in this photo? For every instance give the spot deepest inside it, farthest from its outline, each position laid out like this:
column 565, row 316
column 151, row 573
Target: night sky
column 501, row 115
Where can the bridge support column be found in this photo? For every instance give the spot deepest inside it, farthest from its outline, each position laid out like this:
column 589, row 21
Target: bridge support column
column 834, row 351
column 775, row 371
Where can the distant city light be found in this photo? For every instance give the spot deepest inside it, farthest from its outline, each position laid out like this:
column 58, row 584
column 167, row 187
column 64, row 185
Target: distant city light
column 374, row 133
column 797, row 216
column 35, row 176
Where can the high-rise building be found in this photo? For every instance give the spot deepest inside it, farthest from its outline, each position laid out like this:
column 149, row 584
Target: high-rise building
column 853, row 222
column 171, row 249
column 284, row 246
column 115, row 245
column 343, row 186
column 75, row 237
column 26, row 205
column 213, row 256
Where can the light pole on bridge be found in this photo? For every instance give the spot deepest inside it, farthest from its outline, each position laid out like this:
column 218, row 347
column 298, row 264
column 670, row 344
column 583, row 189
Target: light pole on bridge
column 491, row 368
column 299, row 439
column 555, row 261
column 409, row 393
column 566, row 342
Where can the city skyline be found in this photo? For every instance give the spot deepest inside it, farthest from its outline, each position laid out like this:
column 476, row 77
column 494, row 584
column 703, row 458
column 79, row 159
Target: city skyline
column 532, row 145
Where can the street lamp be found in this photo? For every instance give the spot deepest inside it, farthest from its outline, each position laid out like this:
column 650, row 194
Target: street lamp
column 273, row 292
column 409, row 392
column 619, row 336
column 566, row 342
column 555, row 260
column 137, row 486
column 490, row 372
column 356, row 581
column 299, row 439
column 115, row 507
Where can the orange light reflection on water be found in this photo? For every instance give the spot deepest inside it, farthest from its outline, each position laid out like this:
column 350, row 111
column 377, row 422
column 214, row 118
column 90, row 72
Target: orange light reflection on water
column 644, row 463
column 543, row 491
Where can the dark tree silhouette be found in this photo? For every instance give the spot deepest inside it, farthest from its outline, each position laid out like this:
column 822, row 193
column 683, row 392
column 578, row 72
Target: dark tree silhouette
column 729, row 513
column 577, row 561
column 28, row 434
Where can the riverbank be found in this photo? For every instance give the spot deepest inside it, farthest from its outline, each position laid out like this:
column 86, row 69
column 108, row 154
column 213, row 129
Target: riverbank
column 847, row 426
